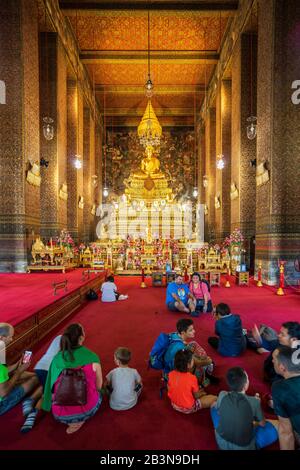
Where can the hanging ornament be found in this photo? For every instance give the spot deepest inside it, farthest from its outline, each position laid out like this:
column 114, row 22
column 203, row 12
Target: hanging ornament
column 48, row 129
column 252, row 127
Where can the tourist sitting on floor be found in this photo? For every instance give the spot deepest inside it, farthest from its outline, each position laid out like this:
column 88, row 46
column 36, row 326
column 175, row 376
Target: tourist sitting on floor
column 289, row 335
column 178, row 296
column 231, row 340
column 183, row 387
column 235, row 413
column 71, row 356
column 110, row 292
column 34, row 402
column 201, row 299
column 124, row 384
column 182, row 339
column 15, row 382
column 286, row 396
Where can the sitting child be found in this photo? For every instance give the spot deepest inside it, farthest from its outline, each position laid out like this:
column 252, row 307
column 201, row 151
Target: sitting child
column 234, row 415
column 123, row 383
column 232, row 341
column 110, row 292
column 32, row 405
column 183, row 387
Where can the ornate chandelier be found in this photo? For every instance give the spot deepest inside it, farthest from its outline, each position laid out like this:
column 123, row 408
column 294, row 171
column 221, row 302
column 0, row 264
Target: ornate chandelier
column 149, row 129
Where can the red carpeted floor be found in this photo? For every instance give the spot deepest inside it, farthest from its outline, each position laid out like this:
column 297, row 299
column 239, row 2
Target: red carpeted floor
column 21, row 295
column 135, row 323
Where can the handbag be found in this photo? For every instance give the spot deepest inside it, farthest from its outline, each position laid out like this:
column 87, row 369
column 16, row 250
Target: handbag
column 92, row 295
column 72, row 388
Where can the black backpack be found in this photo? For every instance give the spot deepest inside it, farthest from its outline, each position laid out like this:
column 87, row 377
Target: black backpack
column 91, row 295
column 236, row 419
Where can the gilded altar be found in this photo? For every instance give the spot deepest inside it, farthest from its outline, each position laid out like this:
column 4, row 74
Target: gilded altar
column 51, row 257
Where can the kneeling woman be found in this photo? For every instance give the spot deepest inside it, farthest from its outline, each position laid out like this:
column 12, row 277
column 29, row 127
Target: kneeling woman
column 73, row 356
column 183, row 387
column 201, row 299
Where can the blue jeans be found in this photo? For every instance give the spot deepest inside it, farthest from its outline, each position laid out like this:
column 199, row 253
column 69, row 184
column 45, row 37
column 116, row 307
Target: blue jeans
column 264, row 435
column 12, row 399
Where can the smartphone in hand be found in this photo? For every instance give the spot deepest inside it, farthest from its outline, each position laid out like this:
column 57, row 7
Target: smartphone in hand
column 26, row 357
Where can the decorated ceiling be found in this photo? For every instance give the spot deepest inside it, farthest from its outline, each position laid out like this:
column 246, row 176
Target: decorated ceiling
column 184, row 50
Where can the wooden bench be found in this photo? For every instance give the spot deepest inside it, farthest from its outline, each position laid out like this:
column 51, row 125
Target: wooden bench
column 60, row 285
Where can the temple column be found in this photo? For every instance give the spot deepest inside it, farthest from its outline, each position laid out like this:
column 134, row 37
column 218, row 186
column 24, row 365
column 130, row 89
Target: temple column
column 52, row 99
column 223, row 147
column 278, row 139
column 74, row 147
column 19, row 131
column 243, row 206
column 210, row 165
column 88, row 171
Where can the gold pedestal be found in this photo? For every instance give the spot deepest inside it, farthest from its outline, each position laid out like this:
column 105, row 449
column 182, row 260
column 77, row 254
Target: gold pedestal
column 259, row 284
column 227, row 284
column 280, row 291
column 143, row 285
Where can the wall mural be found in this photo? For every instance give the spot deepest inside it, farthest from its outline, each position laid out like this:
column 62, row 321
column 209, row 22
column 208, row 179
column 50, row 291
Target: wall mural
column 177, row 159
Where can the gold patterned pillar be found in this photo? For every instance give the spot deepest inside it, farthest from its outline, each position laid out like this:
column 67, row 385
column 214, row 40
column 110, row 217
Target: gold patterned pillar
column 72, row 176
column 243, row 204
column 88, row 157
column 19, row 132
column 223, row 147
column 278, row 140
column 52, row 99
column 98, row 171
column 210, row 165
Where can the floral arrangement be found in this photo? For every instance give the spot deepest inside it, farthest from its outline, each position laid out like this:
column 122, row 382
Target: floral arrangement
column 81, row 247
column 235, row 238
column 174, row 247
column 65, row 239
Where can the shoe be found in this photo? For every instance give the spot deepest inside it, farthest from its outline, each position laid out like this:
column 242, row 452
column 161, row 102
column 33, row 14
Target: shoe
column 123, row 297
column 195, row 314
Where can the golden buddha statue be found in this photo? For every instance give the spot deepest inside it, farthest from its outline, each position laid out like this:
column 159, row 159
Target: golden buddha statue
column 150, row 164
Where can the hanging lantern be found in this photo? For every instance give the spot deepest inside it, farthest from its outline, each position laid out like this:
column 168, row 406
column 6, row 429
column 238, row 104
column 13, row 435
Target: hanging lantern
column 48, row 129
column 220, row 162
column 252, row 127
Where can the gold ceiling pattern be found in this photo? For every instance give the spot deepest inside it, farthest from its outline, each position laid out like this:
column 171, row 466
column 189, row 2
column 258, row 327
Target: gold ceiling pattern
column 161, row 73
column 184, row 47
column 127, row 30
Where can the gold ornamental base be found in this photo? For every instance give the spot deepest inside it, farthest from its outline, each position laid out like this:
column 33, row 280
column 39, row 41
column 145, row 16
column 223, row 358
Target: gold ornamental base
column 227, row 284
column 280, row 291
column 143, row 285
column 259, row 284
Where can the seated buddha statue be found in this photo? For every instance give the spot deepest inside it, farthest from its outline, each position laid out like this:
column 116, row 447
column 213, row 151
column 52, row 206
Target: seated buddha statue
column 150, row 164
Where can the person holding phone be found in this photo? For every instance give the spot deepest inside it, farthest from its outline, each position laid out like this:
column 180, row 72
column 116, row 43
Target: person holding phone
column 15, row 381
column 33, row 403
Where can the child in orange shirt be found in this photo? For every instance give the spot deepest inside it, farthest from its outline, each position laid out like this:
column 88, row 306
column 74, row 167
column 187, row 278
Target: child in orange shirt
column 183, row 387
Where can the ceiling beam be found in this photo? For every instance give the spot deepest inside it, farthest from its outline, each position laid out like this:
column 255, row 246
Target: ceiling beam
column 158, row 89
column 98, row 57
column 140, row 111
column 154, row 5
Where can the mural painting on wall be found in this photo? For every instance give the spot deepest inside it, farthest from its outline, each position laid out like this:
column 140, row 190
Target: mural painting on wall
column 177, row 160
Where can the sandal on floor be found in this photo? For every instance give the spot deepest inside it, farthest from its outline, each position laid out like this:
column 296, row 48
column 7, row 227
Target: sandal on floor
column 74, row 427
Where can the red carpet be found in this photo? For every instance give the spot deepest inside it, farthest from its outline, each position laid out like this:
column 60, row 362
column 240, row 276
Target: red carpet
column 135, row 323
column 21, row 295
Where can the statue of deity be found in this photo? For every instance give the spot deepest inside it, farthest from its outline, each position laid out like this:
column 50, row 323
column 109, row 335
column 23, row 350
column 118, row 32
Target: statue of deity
column 150, row 164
